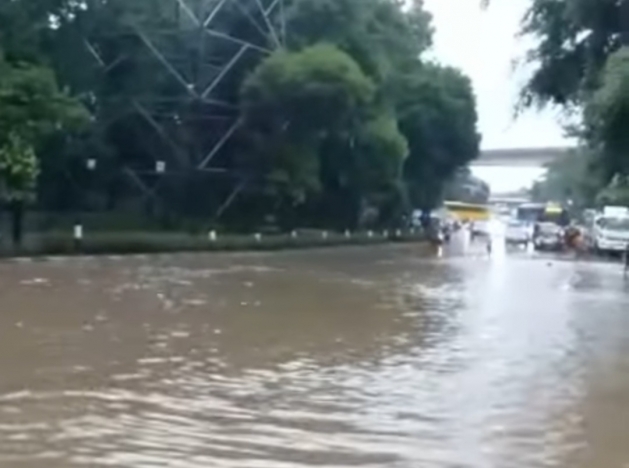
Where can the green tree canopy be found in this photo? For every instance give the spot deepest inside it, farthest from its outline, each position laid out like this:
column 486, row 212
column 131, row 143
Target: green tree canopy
column 437, row 114
column 573, row 178
column 381, row 35
column 578, row 63
column 607, row 114
column 32, row 105
column 307, row 94
column 315, row 111
column 317, row 117
column 573, row 39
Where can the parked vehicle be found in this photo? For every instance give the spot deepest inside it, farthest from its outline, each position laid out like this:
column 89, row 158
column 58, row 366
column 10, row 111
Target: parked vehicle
column 610, row 234
column 548, row 236
column 517, row 233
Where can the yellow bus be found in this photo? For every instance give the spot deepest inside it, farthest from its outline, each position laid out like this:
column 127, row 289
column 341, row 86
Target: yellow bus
column 468, row 211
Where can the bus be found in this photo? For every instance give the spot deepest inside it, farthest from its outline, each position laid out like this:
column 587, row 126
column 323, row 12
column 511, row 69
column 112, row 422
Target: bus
column 531, row 213
column 468, row 211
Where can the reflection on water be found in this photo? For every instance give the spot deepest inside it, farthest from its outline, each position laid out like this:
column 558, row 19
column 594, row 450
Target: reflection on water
column 351, row 357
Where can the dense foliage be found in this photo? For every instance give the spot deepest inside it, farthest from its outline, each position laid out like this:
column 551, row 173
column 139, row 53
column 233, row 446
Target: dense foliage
column 580, row 62
column 573, row 179
column 300, row 112
column 467, row 188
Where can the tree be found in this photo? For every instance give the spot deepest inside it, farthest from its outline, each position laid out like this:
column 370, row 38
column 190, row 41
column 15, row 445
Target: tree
column 607, row 115
column 319, row 99
column 580, row 63
column 19, row 169
column 615, row 193
column 573, row 39
column 381, row 35
column 437, row 115
column 345, row 114
column 434, row 106
column 307, row 94
column 466, row 188
column 32, row 104
column 365, row 173
column 575, row 178
column 31, row 109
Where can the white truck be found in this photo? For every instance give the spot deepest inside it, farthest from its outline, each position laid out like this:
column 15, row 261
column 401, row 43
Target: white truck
column 610, row 230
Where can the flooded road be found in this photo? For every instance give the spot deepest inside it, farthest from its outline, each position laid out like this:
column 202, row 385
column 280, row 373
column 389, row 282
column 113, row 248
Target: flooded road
column 355, row 357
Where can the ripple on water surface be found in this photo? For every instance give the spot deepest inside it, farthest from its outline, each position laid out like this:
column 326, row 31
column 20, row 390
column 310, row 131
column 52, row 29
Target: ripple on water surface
column 357, row 357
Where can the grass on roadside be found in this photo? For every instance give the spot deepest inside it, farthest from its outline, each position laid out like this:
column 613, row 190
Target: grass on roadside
column 121, row 243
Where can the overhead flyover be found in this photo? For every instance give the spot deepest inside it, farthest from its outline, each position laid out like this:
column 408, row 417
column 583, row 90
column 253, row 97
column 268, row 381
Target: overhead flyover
column 520, row 157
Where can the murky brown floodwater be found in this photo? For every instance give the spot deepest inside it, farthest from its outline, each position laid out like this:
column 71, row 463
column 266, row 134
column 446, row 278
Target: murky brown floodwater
column 366, row 357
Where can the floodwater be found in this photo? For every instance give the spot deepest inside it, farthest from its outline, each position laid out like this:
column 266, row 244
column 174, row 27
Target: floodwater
column 349, row 357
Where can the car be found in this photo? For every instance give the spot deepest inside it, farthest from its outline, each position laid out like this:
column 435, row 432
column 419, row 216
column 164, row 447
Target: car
column 610, row 234
column 479, row 229
column 517, row 233
column 548, row 236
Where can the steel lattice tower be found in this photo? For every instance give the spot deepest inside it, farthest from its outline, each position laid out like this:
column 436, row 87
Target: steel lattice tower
column 197, row 51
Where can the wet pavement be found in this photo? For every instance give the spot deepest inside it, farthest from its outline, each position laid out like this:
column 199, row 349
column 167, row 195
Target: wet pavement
column 349, row 357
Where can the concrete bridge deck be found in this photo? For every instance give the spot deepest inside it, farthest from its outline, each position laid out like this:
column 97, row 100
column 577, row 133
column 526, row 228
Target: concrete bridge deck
column 524, row 157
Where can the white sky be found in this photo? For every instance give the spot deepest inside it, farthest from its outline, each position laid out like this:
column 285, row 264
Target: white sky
column 484, row 45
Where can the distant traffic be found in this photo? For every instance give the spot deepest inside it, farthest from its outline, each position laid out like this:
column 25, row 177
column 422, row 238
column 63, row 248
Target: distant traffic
column 543, row 226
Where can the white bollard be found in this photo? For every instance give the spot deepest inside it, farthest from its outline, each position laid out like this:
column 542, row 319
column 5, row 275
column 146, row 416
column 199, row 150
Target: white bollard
column 212, row 236
column 324, row 235
column 370, row 234
column 347, row 234
column 293, row 234
column 385, row 233
column 78, row 232
column 258, row 237
column 398, row 233
column 78, row 236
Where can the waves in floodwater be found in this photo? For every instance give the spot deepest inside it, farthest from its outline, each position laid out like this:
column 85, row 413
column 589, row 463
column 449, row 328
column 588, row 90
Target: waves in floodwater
column 365, row 357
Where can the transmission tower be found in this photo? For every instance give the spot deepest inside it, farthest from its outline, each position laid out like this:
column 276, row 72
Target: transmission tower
column 198, row 50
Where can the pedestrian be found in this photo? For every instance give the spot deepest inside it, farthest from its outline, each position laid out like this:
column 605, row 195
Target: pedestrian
column 625, row 259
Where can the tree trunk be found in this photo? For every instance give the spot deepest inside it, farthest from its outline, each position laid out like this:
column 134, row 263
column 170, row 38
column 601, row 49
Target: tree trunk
column 17, row 222
column 624, row 22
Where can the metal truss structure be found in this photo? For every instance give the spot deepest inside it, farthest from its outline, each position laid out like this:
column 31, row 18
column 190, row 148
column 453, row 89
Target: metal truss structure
column 197, row 77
